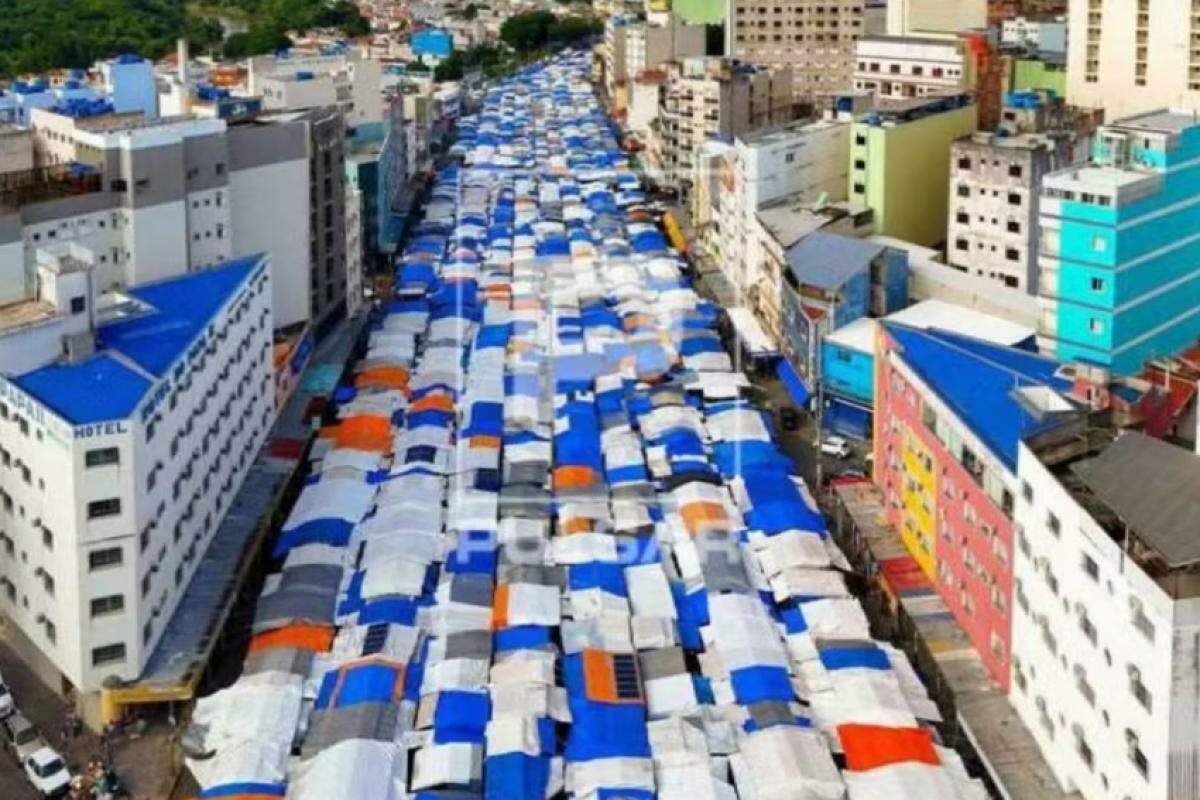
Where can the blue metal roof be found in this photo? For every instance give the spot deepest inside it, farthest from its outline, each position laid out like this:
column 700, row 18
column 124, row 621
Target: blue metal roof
column 827, row 260
column 183, row 307
column 99, row 389
column 976, row 380
column 104, row 387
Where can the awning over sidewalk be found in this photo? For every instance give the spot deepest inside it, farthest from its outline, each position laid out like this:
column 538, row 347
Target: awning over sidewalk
column 795, row 384
column 750, row 334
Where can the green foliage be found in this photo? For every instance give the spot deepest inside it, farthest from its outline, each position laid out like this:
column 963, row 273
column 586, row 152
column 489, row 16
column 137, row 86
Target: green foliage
column 37, row 35
column 535, row 30
column 492, row 61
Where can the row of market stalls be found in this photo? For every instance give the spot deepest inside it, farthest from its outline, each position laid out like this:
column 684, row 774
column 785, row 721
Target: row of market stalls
column 547, row 548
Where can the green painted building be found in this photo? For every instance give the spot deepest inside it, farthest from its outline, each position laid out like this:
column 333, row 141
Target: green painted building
column 700, row 12
column 900, row 165
column 1031, row 75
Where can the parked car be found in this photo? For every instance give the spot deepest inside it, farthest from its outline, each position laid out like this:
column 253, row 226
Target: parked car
column 7, row 707
column 21, row 736
column 48, row 773
column 835, row 446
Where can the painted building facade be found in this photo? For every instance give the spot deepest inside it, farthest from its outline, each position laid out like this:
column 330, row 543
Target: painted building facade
column 1119, row 268
column 945, row 455
column 904, row 153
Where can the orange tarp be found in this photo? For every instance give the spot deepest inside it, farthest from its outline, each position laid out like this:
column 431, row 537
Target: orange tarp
column 362, row 432
column 577, row 525
column 600, row 678
column 383, row 377
column 484, row 441
column 573, row 477
column 702, row 515
column 318, row 638
column 500, row 607
column 433, row 402
column 872, row 746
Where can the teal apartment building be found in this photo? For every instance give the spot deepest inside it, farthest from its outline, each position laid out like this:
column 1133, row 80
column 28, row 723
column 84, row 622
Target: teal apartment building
column 1119, row 260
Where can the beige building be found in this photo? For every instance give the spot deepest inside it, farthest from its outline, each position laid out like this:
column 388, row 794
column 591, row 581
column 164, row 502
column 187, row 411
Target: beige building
column 935, row 17
column 632, row 46
column 814, row 38
column 1131, row 56
column 705, row 98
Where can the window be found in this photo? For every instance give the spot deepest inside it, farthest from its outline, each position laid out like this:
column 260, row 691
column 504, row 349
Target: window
column 108, row 654
column 1053, row 524
column 1014, row 170
column 964, row 163
column 112, row 604
column 860, row 164
column 1138, row 689
column 1096, row 326
column 859, row 188
column 1090, row 567
column 964, row 190
column 104, row 508
column 108, row 557
column 860, row 140
column 1097, row 284
column 78, row 305
column 1014, row 199
column 1099, row 244
column 961, row 244
column 99, row 458
column 1011, row 254
column 962, row 218
column 1013, row 226
column 48, row 538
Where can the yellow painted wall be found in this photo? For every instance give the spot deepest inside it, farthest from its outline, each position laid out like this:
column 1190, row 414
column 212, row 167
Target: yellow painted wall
column 918, row 496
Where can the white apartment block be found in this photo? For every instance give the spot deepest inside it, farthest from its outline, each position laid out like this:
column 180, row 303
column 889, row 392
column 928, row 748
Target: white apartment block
column 904, row 66
column 1042, row 35
column 1106, row 627
column 802, row 161
column 349, row 80
column 815, row 38
column 127, row 423
column 995, row 186
column 168, row 196
column 706, row 98
column 1132, row 56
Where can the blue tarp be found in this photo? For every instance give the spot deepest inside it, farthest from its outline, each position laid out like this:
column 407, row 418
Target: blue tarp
column 795, row 385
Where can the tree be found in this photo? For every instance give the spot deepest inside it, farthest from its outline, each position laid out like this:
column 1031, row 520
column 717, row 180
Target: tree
column 256, row 41
column 527, row 32
column 569, row 30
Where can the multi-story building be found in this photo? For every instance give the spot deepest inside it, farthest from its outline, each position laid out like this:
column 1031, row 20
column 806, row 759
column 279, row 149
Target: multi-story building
column 325, row 129
column 995, row 185
column 704, row 98
column 345, row 79
column 127, row 423
column 901, row 151
column 634, row 45
column 950, row 413
column 1133, row 56
column 1119, row 270
column 936, row 17
column 815, row 40
column 804, row 161
column 1041, row 35
column 906, row 67
column 354, row 250
column 830, row 281
column 777, row 228
column 170, row 195
column 130, row 84
column 16, row 148
column 1107, row 611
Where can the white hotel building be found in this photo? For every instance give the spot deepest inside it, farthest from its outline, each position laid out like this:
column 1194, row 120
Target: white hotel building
column 1106, row 621
column 127, row 423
